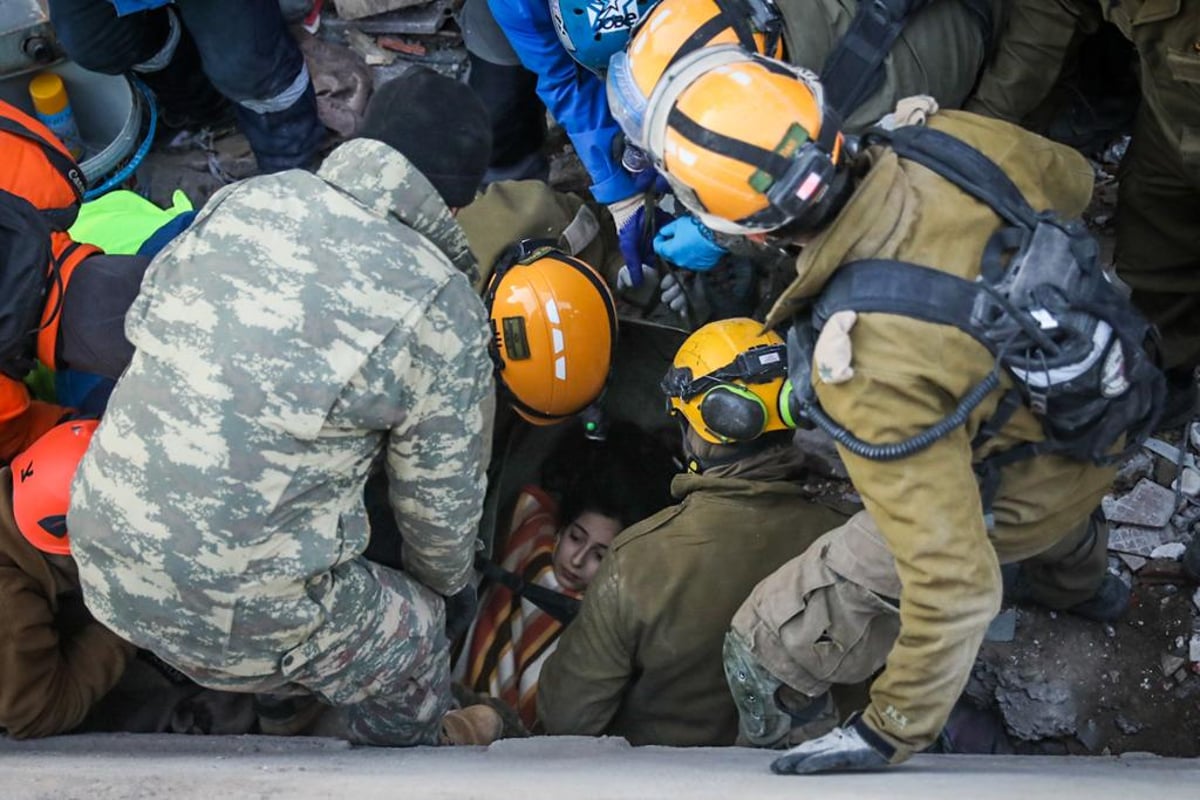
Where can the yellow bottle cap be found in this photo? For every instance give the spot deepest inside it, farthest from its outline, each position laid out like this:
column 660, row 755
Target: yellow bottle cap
column 48, row 93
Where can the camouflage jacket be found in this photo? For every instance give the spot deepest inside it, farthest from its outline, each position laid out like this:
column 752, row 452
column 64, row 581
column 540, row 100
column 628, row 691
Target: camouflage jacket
column 303, row 324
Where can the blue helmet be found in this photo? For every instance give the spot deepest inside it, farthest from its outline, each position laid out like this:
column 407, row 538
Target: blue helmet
column 592, row 30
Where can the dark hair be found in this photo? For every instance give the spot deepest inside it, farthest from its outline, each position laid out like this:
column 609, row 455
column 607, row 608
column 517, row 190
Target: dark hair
column 627, row 476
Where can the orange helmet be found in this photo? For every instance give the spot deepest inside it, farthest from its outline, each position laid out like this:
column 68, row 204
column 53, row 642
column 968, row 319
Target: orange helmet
column 42, row 484
column 729, row 381
column 674, row 30
column 744, row 140
column 554, row 329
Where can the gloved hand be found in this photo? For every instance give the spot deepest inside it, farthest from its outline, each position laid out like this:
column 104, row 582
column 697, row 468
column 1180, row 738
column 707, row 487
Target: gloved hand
column 852, row 748
column 634, row 237
column 460, row 611
column 689, row 243
column 685, row 300
column 646, row 276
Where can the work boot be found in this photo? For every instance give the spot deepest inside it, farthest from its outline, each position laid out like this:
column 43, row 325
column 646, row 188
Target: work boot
column 477, row 725
column 1191, row 558
column 1107, row 604
column 1179, row 406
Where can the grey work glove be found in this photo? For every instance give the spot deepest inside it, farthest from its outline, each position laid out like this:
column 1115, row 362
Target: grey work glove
column 681, row 293
column 852, row 748
column 460, row 612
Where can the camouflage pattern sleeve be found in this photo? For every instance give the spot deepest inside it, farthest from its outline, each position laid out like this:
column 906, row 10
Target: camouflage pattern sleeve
column 437, row 456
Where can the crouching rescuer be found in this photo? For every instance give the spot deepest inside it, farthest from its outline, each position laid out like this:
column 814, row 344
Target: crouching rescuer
column 979, row 372
column 305, row 330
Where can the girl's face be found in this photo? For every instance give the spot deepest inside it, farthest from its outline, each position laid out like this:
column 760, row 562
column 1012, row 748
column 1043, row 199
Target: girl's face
column 581, row 545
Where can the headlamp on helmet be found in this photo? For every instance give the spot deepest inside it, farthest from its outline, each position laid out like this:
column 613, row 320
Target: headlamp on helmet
column 745, row 141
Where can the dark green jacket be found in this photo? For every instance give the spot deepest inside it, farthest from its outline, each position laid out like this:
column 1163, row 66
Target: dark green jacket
column 939, row 53
column 643, row 659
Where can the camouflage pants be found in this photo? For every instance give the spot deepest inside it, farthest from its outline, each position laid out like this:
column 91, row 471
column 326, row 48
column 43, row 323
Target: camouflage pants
column 831, row 615
column 383, row 658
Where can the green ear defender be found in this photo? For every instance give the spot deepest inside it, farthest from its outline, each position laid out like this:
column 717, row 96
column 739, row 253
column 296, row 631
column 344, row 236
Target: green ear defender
column 733, row 413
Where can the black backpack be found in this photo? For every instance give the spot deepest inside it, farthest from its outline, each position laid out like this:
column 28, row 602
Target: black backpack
column 25, row 253
column 1080, row 355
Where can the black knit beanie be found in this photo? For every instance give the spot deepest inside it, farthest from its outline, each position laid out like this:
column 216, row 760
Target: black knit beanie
column 437, row 123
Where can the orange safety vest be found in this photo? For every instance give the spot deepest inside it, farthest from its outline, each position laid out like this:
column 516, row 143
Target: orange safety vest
column 38, row 168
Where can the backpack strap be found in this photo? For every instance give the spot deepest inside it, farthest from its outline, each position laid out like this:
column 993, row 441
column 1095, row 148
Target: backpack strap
column 61, row 268
column 897, row 287
column 962, row 165
column 558, row 605
column 854, row 70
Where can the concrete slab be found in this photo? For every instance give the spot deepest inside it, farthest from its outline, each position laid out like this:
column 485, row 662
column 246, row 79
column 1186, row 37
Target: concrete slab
column 99, row 767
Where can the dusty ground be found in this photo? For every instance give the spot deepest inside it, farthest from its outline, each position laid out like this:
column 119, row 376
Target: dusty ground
column 182, row 768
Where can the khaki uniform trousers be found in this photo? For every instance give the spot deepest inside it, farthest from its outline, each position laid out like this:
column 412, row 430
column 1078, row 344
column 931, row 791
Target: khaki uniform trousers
column 830, row 616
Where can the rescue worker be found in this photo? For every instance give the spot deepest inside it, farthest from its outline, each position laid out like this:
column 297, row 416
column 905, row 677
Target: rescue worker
column 60, row 669
column 68, row 299
column 302, row 328
column 938, row 50
column 915, row 579
column 643, row 658
column 1158, row 198
column 196, row 53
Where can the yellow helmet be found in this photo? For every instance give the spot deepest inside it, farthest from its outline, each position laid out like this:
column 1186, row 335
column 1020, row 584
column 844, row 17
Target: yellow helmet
column 554, row 330
column 745, row 141
column 673, row 30
column 729, row 381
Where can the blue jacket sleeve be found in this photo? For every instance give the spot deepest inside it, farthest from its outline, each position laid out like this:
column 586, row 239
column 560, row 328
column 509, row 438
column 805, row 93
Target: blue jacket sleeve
column 573, row 95
column 133, row 6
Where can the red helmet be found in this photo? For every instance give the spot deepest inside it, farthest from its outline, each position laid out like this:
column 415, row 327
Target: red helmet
column 42, row 484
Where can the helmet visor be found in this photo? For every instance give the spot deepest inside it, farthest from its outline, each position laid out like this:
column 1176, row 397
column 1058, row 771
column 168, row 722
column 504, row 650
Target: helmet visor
column 625, row 99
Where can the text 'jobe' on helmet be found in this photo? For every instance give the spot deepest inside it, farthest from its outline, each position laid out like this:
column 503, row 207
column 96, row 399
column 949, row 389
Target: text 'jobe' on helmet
column 745, row 141
column 673, row 30
column 592, row 30
column 729, row 381
column 554, row 331
column 42, row 476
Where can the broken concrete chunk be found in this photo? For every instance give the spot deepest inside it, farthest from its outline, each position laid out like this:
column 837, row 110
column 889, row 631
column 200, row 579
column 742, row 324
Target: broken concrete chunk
column 1170, row 663
column 1148, row 505
column 1194, row 648
column 1133, row 562
column 1003, row 627
column 1037, row 710
column 365, row 46
column 1139, row 541
column 1172, row 551
column 354, row 9
column 1188, row 482
column 1139, row 465
column 1194, row 435
column 1128, row 726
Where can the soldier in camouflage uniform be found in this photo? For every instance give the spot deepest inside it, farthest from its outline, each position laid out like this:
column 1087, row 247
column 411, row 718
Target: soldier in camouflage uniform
column 304, row 326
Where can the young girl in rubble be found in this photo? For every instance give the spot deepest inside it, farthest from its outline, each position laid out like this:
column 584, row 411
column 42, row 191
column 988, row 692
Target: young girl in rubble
column 558, row 544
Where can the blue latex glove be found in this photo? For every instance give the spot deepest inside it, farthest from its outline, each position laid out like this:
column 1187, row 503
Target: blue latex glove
column 636, row 243
column 688, row 243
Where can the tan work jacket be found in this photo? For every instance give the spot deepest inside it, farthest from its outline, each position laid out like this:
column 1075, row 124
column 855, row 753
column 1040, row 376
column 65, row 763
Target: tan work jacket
column 909, row 374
